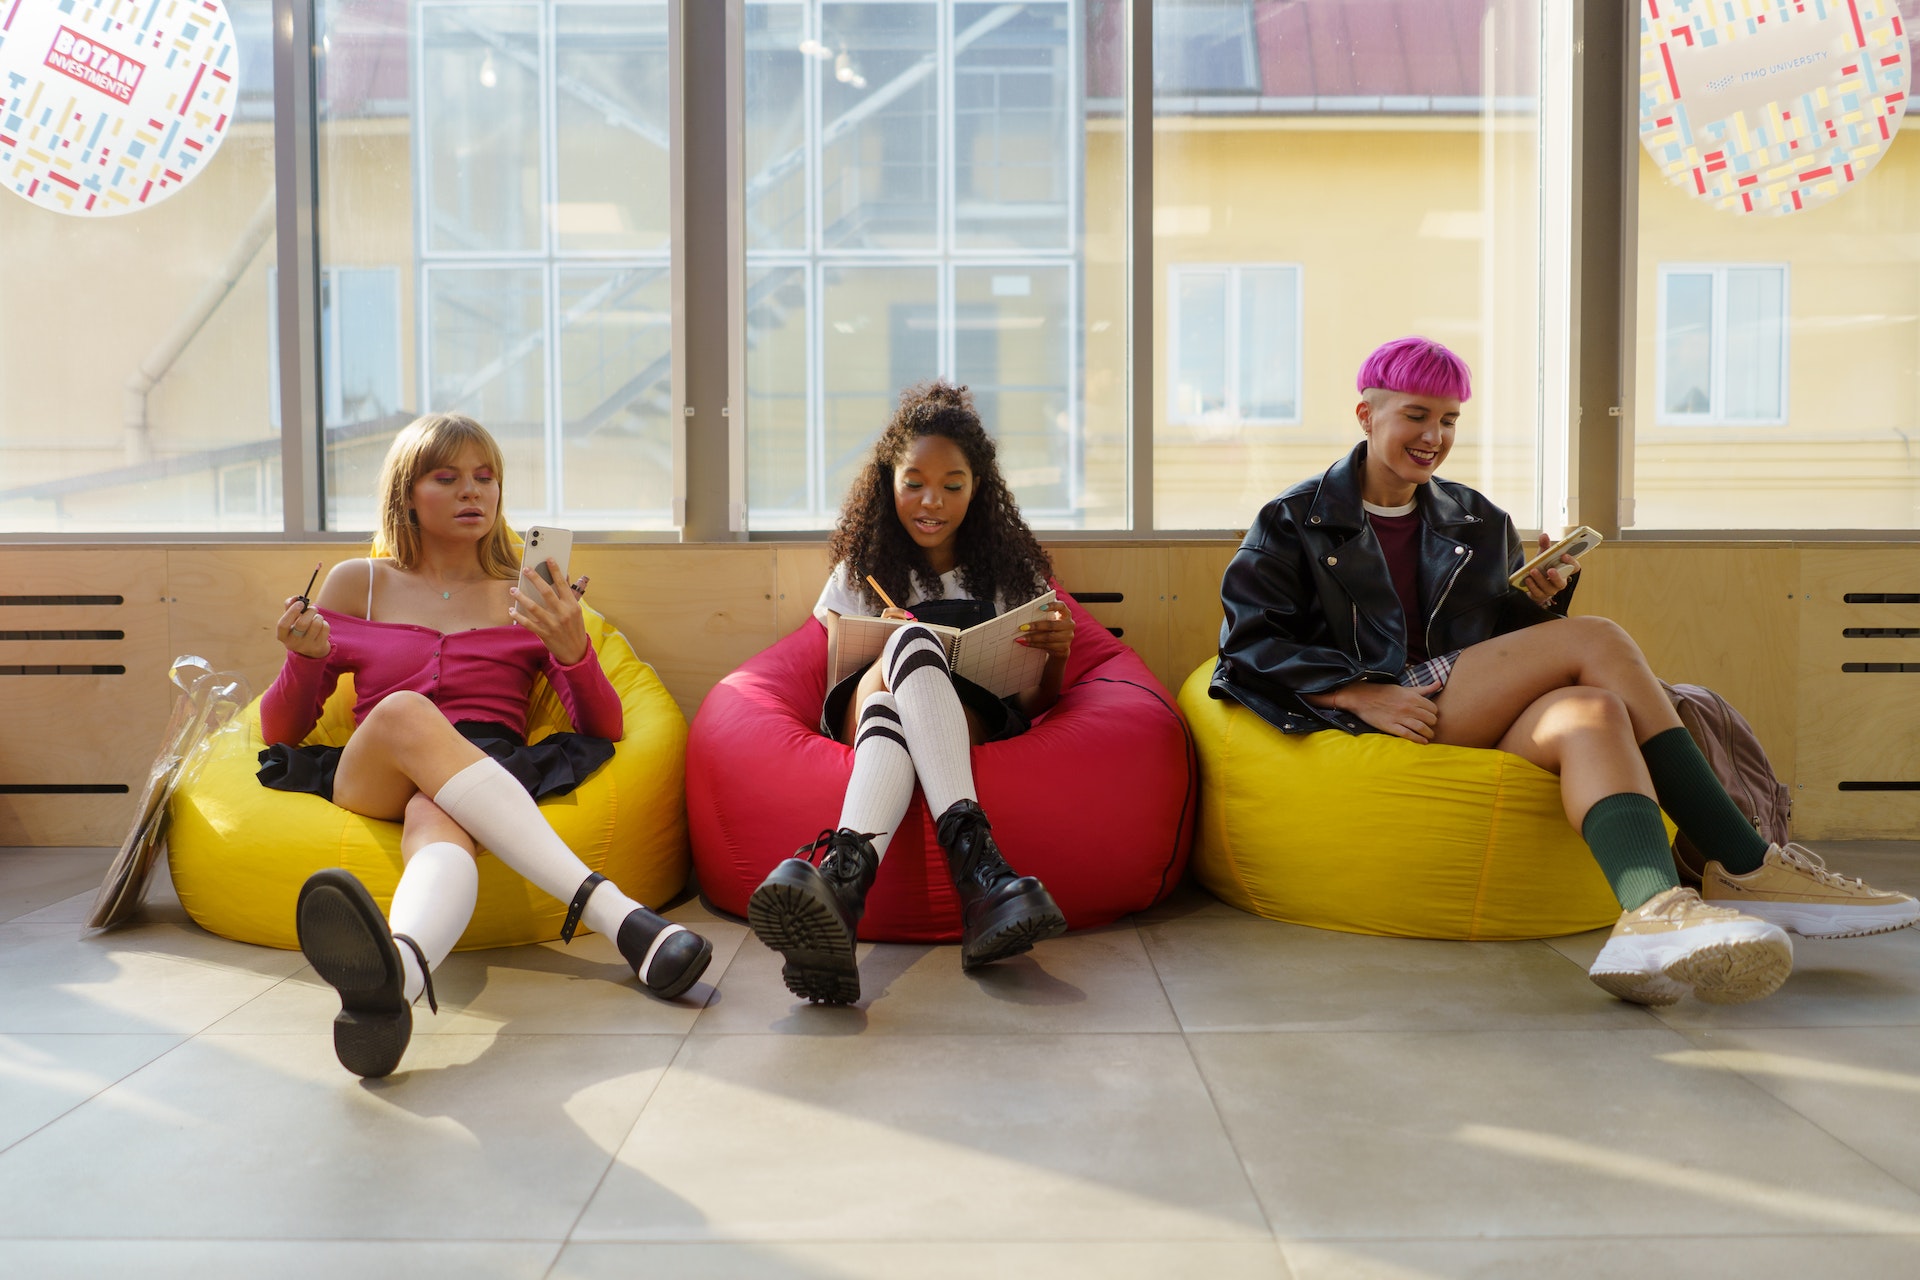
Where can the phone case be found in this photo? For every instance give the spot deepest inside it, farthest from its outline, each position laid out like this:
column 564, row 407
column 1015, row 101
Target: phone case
column 543, row 543
column 1575, row 544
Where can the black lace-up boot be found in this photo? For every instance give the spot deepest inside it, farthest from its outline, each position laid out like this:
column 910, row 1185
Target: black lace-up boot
column 1001, row 913
column 809, row 914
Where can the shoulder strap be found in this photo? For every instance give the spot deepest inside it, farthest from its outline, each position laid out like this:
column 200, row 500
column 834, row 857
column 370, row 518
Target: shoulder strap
column 368, row 614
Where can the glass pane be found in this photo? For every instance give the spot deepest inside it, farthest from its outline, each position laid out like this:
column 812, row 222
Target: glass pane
column 613, row 136
column 785, row 482
column 1012, row 151
column 879, row 332
column 487, row 351
column 964, row 220
column 1269, row 341
column 481, row 66
column 1687, row 344
column 553, row 332
column 134, row 352
column 1400, row 145
column 616, row 396
column 1204, row 46
column 1200, row 375
column 880, row 146
column 1755, row 312
column 1011, row 347
column 780, row 58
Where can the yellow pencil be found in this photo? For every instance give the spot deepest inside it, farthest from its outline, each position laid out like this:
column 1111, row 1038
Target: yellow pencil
column 881, row 592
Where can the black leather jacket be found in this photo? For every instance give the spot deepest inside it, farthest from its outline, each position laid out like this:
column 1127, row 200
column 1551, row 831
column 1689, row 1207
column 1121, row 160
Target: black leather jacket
column 1310, row 605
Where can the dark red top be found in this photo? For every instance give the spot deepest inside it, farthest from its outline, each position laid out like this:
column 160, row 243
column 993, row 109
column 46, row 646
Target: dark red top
column 484, row 674
column 1400, row 541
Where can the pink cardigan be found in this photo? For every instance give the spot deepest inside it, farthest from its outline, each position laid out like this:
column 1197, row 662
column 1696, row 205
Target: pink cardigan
column 484, row 674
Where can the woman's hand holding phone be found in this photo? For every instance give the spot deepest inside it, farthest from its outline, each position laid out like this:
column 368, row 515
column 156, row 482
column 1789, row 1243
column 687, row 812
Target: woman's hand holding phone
column 302, row 630
column 1548, row 581
column 554, row 616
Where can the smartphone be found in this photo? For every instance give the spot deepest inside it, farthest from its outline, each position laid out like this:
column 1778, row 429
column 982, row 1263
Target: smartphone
column 544, row 543
column 1575, row 544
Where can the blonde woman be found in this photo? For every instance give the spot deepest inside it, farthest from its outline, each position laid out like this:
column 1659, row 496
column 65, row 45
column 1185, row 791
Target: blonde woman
column 444, row 637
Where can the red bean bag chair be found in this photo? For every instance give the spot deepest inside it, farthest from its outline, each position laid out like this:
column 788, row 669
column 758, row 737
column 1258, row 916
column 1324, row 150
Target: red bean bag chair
column 1097, row 799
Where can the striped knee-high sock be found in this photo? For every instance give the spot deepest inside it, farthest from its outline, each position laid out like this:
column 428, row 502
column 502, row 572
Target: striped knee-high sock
column 931, row 717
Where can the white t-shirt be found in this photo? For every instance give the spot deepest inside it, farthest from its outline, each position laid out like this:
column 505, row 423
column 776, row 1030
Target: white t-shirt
column 838, row 596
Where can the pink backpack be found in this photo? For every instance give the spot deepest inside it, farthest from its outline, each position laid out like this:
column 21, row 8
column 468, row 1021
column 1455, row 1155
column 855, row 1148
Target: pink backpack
column 1734, row 753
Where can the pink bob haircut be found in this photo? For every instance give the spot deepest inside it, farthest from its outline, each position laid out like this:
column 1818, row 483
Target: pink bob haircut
column 1416, row 367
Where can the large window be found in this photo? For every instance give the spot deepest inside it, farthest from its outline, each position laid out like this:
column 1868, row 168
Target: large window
column 510, row 163
column 134, row 367
column 917, row 179
column 1396, row 148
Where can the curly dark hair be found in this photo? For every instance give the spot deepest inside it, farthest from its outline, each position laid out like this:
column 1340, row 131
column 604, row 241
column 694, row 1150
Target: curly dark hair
column 995, row 552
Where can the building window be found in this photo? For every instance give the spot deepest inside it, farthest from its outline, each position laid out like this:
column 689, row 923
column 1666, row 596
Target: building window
column 1205, row 47
column 1723, row 344
column 1234, row 345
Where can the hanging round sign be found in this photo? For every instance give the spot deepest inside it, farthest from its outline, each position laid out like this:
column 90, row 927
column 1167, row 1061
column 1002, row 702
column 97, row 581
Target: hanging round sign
column 1770, row 106
column 110, row 106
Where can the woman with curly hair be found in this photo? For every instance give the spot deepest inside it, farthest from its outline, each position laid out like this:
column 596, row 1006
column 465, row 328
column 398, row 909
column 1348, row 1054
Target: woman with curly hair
column 930, row 519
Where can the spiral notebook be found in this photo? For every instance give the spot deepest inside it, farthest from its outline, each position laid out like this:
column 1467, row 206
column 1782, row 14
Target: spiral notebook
column 988, row 654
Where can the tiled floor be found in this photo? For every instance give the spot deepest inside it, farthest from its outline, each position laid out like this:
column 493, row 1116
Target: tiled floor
column 1191, row 1093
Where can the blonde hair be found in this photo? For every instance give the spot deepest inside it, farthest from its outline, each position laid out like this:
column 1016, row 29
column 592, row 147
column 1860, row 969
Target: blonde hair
column 430, row 441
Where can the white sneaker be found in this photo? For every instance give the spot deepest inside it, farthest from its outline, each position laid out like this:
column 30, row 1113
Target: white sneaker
column 1674, row 944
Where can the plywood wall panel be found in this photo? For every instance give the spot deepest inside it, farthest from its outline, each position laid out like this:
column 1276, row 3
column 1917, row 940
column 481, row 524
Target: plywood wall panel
column 223, row 600
column 1193, row 623
column 800, row 571
column 1136, row 572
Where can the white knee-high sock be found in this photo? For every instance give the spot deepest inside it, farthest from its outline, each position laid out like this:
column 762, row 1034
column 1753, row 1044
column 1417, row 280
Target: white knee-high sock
column 432, row 904
column 882, row 781
column 935, row 724
column 498, row 812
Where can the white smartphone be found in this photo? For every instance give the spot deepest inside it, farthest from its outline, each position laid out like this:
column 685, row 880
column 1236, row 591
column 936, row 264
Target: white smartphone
column 543, row 543
column 1575, row 544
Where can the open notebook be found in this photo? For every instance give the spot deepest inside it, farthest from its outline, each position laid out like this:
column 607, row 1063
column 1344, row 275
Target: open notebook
column 988, row 654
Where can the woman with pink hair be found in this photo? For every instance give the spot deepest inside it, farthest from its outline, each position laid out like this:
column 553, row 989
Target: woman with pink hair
column 1374, row 598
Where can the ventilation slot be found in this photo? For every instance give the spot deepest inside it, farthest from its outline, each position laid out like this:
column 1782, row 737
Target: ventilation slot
column 67, row 669
column 96, row 635
column 63, row 789
column 1880, row 786
column 1881, row 633
column 43, row 601
column 1883, row 668
column 1100, row 597
column 1882, row 597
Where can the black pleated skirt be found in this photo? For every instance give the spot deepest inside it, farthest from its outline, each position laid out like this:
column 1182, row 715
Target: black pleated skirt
column 552, row 766
column 1000, row 718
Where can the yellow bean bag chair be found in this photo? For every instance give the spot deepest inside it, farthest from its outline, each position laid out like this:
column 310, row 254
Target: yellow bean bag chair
column 240, row 852
column 1376, row 834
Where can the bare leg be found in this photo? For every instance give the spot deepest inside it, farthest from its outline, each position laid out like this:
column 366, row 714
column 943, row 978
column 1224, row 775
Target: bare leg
column 1585, row 736
column 1494, row 682
column 403, row 747
column 427, row 823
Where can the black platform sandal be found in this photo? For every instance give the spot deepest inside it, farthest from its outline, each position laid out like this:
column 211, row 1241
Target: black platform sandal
column 346, row 939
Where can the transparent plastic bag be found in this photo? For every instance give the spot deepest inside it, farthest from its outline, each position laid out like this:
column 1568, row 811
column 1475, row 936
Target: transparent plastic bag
column 207, row 705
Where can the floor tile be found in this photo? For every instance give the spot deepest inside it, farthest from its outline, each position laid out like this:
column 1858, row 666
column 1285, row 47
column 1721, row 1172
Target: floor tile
column 281, row 1260
column 476, row 1138
column 35, row 879
column 1636, row 1257
column 1100, row 980
column 840, row 1260
column 1836, row 982
column 1261, row 975
column 1549, row 1133
column 141, row 978
column 582, row 988
column 1860, row 1084
column 43, row 1077
column 1045, row 1137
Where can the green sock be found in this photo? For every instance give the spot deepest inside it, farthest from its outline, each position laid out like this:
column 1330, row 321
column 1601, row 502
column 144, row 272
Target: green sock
column 1699, row 805
column 1630, row 843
